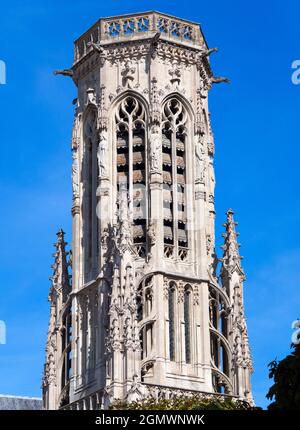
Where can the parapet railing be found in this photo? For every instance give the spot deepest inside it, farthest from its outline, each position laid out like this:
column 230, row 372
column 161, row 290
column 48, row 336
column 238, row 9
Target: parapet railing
column 128, row 27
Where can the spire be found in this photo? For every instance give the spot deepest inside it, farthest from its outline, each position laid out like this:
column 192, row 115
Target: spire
column 60, row 286
column 60, row 278
column 232, row 277
column 231, row 260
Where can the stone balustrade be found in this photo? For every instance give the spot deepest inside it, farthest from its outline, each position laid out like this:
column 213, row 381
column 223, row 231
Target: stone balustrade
column 136, row 26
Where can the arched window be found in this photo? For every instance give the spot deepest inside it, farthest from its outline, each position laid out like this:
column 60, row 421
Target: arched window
column 218, row 311
column 213, row 310
column 174, row 139
column 187, row 324
column 131, row 165
column 214, row 346
column 172, row 292
column 144, row 309
column 102, row 303
column 90, row 178
column 148, row 301
column 145, row 298
column 66, row 339
column 223, row 321
column 224, row 359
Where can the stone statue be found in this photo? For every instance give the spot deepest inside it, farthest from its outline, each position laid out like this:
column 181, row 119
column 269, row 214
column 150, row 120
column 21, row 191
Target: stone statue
column 101, row 156
column 200, row 161
column 75, row 175
column 90, row 96
column 155, row 149
column 128, row 72
column 212, row 175
column 152, row 232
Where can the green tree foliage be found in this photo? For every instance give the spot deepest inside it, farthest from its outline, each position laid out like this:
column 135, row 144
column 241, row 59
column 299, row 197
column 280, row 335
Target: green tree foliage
column 196, row 402
column 286, row 388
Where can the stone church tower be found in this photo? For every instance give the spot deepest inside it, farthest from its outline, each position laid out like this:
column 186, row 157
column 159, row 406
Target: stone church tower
column 146, row 311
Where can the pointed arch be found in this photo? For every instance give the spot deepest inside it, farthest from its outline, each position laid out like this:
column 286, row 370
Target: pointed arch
column 145, row 319
column 130, row 149
column 177, row 131
column 187, row 314
column 90, row 181
column 172, row 320
column 183, row 100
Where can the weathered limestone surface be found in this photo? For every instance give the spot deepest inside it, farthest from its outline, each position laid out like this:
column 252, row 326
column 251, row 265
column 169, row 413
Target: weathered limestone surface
column 145, row 312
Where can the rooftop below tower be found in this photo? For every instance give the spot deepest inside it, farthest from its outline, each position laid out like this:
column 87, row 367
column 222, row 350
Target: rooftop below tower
column 144, row 25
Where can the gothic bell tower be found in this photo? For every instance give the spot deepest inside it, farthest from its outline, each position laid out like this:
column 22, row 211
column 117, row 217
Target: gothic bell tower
column 146, row 313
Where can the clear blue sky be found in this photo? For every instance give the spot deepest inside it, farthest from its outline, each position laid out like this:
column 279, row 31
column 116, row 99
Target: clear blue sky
column 256, row 126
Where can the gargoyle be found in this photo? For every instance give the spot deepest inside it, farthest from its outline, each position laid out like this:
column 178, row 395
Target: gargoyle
column 219, row 80
column 153, row 44
column 96, row 47
column 155, row 38
column 64, row 72
column 208, row 52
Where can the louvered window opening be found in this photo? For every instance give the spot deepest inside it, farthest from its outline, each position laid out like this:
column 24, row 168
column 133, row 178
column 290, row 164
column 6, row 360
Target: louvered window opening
column 131, row 162
column 174, row 136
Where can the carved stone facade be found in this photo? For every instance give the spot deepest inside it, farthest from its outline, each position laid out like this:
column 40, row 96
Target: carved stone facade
column 146, row 313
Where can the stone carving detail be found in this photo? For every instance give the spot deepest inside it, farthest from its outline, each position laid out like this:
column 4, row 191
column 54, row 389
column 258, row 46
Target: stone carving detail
column 209, row 244
column 212, row 176
column 152, row 232
column 166, row 288
column 242, row 354
column 200, row 161
column 175, row 28
column 124, row 27
column 51, row 348
column 196, row 295
column 180, row 292
column 199, row 123
column 75, row 174
column 203, row 68
column 232, row 277
column 155, row 114
column 104, row 237
column 154, row 45
column 59, row 291
column 128, row 73
column 102, row 110
column 155, row 139
column 114, row 339
column 211, row 148
column 90, row 96
column 76, row 126
column 75, row 163
column 231, row 255
column 102, row 155
column 175, row 74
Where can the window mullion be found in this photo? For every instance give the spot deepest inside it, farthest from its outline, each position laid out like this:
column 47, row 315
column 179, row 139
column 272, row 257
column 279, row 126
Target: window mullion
column 174, row 185
column 130, row 167
column 146, row 189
